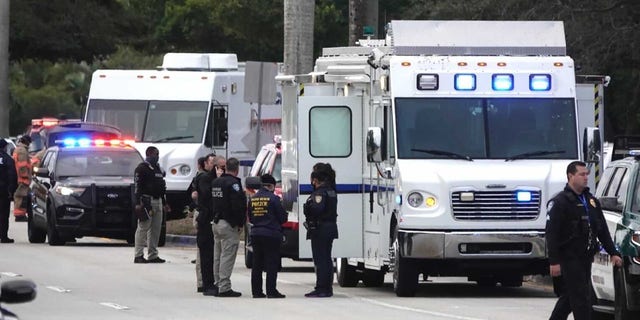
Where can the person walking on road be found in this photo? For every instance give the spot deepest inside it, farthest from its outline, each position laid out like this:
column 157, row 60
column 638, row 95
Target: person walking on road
column 321, row 215
column 8, row 185
column 575, row 223
column 266, row 215
column 230, row 210
column 150, row 189
column 24, row 169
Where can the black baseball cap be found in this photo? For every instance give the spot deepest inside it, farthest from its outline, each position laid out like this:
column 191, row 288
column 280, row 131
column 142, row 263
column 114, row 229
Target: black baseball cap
column 268, row 179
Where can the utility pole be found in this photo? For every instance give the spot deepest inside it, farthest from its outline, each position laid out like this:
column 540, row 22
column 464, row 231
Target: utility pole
column 4, row 68
column 299, row 18
column 362, row 13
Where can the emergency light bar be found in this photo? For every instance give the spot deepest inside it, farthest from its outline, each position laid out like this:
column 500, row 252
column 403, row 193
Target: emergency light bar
column 465, row 82
column 427, row 81
column 502, row 82
column 86, row 142
column 540, row 82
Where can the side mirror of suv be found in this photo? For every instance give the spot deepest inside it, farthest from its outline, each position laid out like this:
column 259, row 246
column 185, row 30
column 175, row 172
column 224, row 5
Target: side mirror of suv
column 611, row 204
column 41, row 172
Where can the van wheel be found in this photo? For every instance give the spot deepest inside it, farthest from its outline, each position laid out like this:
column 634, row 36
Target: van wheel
column 621, row 311
column 248, row 254
column 346, row 274
column 373, row 278
column 52, row 233
column 35, row 235
column 405, row 273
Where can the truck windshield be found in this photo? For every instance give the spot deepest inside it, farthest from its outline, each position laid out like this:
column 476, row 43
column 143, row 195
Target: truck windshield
column 488, row 128
column 152, row 121
column 103, row 162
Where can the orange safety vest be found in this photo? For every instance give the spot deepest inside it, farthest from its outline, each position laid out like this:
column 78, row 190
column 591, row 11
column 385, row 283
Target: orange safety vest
column 23, row 164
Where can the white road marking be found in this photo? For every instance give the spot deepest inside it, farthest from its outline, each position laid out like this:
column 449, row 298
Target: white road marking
column 58, row 289
column 114, row 305
column 10, row 274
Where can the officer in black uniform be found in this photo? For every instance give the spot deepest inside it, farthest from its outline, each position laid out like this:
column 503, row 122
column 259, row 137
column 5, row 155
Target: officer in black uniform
column 320, row 211
column 230, row 213
column 575, row 223
column 150, row 189
column 205, row 230
column 8, row 185
column 267, row 216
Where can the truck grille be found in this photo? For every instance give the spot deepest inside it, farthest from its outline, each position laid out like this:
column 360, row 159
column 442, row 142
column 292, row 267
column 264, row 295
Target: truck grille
column 495, row 205
column 113, row 205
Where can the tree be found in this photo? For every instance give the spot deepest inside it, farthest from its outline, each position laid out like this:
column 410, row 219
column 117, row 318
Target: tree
column 298, row 36
column 4, row 68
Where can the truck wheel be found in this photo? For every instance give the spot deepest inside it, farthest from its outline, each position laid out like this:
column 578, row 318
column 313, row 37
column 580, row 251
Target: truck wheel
column 621, row 312
column 346, row 274
column 405, row 274
column 35, row 235
column 248, row 254
column 52, row 233
column 373, row 278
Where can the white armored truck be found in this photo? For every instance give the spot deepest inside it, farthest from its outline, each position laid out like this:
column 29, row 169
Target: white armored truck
column 448, row 138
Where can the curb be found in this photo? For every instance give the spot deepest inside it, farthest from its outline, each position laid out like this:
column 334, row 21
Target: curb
column 181, row 240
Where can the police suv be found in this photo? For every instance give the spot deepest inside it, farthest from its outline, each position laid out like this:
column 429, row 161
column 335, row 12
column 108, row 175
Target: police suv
column 618, row 289
column 84, row 187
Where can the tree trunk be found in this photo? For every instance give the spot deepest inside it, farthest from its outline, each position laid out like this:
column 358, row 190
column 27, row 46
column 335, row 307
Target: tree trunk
column 4, row 68
column 362, row 13
column 298, row 36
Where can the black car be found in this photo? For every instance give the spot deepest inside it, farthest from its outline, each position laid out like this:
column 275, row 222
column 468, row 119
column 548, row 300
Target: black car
column 84, row 188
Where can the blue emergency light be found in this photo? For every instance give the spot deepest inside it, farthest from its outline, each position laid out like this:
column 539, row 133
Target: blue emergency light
column 502, row 82
column 540, row 82
column 523, row 196
column 465, row 82
column 87, row 142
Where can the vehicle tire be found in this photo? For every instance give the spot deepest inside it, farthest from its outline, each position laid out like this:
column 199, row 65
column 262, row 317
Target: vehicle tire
column 620, row 306
column 347, row 274
column 54, row 237
column 163, row 236
column 511, row 281
column 248, row 254
column 373, row 278
column 405, row 273
column 34, row 234
column 486, row 282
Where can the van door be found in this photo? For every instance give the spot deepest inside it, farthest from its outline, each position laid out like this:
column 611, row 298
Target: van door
column 330, row 131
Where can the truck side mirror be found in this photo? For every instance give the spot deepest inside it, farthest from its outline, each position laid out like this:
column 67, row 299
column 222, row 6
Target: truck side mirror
column 376, row 145
column 591, row 145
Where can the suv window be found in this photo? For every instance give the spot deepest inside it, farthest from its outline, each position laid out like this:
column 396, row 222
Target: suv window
column 98, row 162
column 613, row 189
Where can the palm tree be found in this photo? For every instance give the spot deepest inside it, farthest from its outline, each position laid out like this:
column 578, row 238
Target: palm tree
column 4, row 68
column 298, row 36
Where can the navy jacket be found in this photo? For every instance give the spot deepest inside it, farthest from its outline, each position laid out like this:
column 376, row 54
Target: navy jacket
column 228, row 200
column 266, row 214
column 322, row 207
column 8, row 175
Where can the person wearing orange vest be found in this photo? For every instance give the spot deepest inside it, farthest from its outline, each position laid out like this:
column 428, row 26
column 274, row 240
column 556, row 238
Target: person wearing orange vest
column 24, row 170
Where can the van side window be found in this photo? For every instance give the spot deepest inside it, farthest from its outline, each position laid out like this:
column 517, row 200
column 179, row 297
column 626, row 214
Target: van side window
column 330, row 131
column 635, row 207
column 613, row 189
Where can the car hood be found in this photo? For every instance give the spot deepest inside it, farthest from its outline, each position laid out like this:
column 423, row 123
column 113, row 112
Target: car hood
column 97, row 180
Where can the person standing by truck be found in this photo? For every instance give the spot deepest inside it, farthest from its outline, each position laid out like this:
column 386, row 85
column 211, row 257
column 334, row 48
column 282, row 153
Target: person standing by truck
column 575, row 223
column 24, row 169
column 321, row 215
column 8, row 184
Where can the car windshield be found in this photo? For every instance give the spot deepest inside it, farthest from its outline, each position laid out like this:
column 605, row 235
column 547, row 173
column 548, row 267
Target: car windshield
column 486, row 128
column 97, row 162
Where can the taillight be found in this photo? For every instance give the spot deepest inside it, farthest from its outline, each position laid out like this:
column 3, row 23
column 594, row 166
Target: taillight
column 293, row 225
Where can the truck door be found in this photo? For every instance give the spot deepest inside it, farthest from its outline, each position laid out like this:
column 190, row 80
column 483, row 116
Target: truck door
column 330, row 130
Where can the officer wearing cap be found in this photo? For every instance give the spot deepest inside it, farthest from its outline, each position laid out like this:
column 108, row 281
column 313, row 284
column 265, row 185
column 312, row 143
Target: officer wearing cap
column 320, row 211
column 8, row 185
column 266, row 215
column 24, row 170
column 575, row 223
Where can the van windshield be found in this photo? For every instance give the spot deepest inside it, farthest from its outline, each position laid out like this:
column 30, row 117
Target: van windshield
column 488, row 128
column 152, row 121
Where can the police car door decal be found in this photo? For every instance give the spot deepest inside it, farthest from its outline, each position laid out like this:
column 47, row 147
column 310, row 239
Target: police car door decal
column 330, row 131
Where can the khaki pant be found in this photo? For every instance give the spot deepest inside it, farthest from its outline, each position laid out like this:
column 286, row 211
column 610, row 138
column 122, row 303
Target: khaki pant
column 225, row 250
column 148, row 232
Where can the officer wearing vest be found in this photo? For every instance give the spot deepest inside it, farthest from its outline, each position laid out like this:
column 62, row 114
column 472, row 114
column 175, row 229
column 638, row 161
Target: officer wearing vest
column 267, row 216
column 320, row 211
column 575, row 223
column 24, row 168
column 150, row 189
column 8, row 185
column 230, row 212
column 205, row 238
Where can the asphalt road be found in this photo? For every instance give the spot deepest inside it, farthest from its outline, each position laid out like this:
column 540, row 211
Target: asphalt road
column 95, row 278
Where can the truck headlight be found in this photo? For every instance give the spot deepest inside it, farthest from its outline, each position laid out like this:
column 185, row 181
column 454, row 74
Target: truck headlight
column 415, row 199
column 69, row 191
column 185, row 170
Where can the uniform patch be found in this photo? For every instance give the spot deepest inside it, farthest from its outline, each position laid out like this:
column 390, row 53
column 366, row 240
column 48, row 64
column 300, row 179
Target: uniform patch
column 549, row 206
column 318, row 198
column 592, row 202
column 236, row 187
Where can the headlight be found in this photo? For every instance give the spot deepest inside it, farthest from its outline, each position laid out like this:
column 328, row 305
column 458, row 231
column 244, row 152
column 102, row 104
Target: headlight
column 68, row 191
column 415, row 199
column 185, row 170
